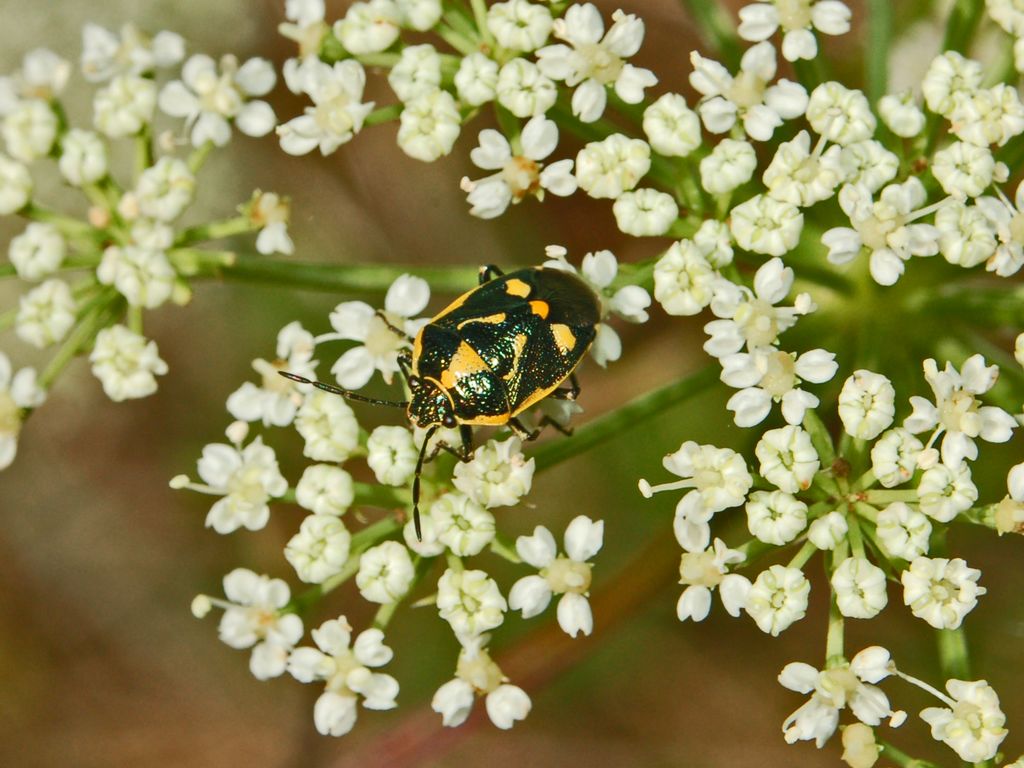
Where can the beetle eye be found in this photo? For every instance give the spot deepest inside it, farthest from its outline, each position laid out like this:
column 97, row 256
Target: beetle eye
column 448, row 420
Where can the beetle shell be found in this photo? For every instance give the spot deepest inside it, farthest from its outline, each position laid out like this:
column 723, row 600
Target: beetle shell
column 503, row 346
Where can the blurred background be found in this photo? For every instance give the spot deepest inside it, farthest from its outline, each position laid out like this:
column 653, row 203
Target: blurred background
column 101, row 662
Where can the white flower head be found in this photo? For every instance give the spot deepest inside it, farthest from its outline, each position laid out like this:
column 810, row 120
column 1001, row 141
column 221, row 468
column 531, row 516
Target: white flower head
column 829, row 530
column 1009, row 514
column 702, row 572
column 988, row 116
column 1005, row 218
column 391, row 454
column 967, row 234
column 798, row 21
column 973, row 724
column 746, row 97
column 144, row 276
column 607, row 168
column 949, row 79
column 966, row 170
column 775, row 517
column 671, row 127
column 595, row 59
column 15, row 185
column 901, row 115
column 124, row 106
column 369, row 27
column 337, row 112
column 523, row 89
column 320, row 548
column 45, row 314
column 18, row 392
column 867, row 404
column 462, row 524
column 941, row 591
column 106, row 55
column 212, row 95
column 903, row 531
column 470, row 602
column 519, row 25
column 126, row 363
column 429, row 126
column 567, row 575
column 253, row 619
column 839, row 114
column 29, row 130
column 859, row 586
column 945, row 492
column 517, row 175
column 868, row 164
column 43, row 76
column 766, row 375
column 778, row 598
column 476, row 674
column 804, row 176
column 325, row 490
column 684, row 279
column 645, row 212
column 957, row 414
column 83, row 157
column 38, row 251
column 346, row 667
column 417, row 73
column 276, row 400
column 328, row 426
column 730, row 164
column 476, row 80
column 385, row 573
column 498, row 475
column 788, row 460
column 894, row 457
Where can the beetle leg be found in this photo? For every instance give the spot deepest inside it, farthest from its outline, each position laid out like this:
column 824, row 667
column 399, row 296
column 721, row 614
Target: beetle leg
column 567, row 394
column 522, row 432
column 489, row 272
column 392, row 327
column 466, row 432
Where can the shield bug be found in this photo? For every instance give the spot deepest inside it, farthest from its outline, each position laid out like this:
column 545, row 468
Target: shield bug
column 491, row 354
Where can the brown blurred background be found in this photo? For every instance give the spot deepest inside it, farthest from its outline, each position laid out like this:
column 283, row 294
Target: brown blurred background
column 101, row 663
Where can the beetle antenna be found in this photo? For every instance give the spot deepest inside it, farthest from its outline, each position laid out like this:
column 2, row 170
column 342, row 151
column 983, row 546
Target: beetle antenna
column 416, row 483
column 344, row 392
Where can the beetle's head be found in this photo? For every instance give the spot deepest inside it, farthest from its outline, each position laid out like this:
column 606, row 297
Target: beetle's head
column 430, row 404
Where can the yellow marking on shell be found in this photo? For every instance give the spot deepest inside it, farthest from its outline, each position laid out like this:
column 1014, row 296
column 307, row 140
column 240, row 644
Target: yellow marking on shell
column 487, row 421
column 518, row 345
column 488, row 320
column 466, row 361
column 417, row 349
column 516, row 287
column 447, row 379
column 565, row 339
column 540, row 308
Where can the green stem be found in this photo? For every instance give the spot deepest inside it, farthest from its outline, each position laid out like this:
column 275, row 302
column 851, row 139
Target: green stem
column 954, row 658
column 384, row 115
column 621, row 419
column 834, row 639
column 198, row 156
column 214, row 230
column 820, row 438
column 902, row 759
column 91, row 323
column 963, row 20
column 716, row 29
column 504, row 548
column 67, row 226
column 345, row 278
column 877, row 58
column 480, row 15
column 383, row 496
column 143, row 151
column 875, row 498
column 800, row 558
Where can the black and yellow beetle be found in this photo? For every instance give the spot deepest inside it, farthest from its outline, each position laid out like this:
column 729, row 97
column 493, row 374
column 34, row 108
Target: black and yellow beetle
column 492, row 353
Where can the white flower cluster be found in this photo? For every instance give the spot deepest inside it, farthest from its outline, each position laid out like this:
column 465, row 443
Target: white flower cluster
column 92, row 279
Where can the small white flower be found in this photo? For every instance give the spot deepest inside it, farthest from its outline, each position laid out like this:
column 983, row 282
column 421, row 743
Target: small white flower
column 730, row 164
column 210, row 97
column 859, row 587
column 421, row 15
column 803, row 177
column 747, row 96
column 941, row 591
column 944, row 493
column 828, row 531
column 1009, row 514
column 15, row 185
column 124, row 106
column 461, row 524
column 839, row 114
column 749, row 318
column 379, row 345
column 567, row 575
column 37, row 252
column 684, row 280
column 126, row 363
column 320, row 548
column 957, row 413
column 596, row 59
column 429, row 126
column 798, row 19
column 767, row 375
column 345, row 667
column 988, row 116
column 701, row 572
column 391, row 455
column 867, row 404
column 788, row 460
column 142, row 275
column 106, row 54
column 950, row 78
column 671, row 127
column 476, row 674
column 607, row 168
column 254, row 620
column 325, row 490
column 1008, row 15
column 305, row 26
column 518, row 175
column 43, row 75
column 328, row 427
column 901, row 115
column 775, row 517
column 417, row 73
column 246, row 479
column 765, row 225
column 868, row 164
column 967, row 235
column 894, row 457
column 498, row 475
column 972, row 725
column 83, row 157
column 1006, row 219
column 645, row 212
column 338, row 110
column 966, row 170
column 369, row 27
column 715, row 242
column 476, row 80
column 523, row 89
column 470, row 602
column 277, row 399
column 778, row 598
column 519, row 25
column 836, row 688
column 45, row 314
column 29, row 130
column 18, row 391
column 903, row 531
column 385, row 573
